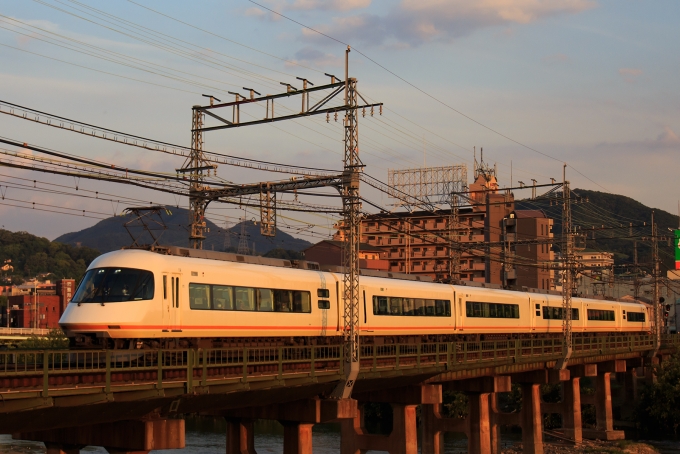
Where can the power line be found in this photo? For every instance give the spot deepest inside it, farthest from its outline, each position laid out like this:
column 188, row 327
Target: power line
column 436, row 99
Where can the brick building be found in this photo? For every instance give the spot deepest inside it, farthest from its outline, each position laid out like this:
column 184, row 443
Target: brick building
column 40, row 306
column 417, row 242
column 329, row 252
column 527, row 237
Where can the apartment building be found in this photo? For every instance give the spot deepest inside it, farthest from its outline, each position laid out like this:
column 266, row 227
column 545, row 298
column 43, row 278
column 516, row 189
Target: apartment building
column 527, row 250
column 418, row 242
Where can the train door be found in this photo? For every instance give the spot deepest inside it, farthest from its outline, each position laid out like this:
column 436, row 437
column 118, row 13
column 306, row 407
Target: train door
column 460, row 310
column 167, row 302
column 176, row 302
column 454, row 312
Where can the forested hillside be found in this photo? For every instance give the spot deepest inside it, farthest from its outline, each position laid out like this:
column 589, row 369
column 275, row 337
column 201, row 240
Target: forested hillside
column 31, row 255
column 596, row 209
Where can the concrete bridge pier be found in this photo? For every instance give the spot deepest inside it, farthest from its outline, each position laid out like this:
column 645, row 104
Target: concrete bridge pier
column 298, row 419
column 531, row 415
column 404, row 436
column 240, row 436
column 572, row 424
column 434, row 426
column 480, row 427
column 603, row 403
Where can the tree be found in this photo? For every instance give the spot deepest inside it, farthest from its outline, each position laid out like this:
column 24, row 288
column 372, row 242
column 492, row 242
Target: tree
column 658, row 413
column 54, row 340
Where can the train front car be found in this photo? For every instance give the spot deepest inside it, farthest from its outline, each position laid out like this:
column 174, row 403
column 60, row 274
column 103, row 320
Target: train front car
column 118, row 297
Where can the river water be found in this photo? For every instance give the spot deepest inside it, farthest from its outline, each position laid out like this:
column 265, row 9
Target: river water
column 207, row 436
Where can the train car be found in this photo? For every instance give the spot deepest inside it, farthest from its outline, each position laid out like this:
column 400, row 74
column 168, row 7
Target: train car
column 186, row 298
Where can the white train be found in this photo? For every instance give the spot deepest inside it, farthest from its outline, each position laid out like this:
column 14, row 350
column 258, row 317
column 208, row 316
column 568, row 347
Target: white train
column 182, row 298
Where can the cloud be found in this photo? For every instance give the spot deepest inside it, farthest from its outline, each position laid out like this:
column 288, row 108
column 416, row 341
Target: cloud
column 668, row 136
column 666, row 142
column 630, row 75
column 255, row 12
column 310, row 56
column 555, row 59
column 329, row 5
column 415, row 22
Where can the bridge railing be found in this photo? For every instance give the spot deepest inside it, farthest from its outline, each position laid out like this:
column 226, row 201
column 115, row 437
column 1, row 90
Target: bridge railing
column 51, row 369
column 24, row 331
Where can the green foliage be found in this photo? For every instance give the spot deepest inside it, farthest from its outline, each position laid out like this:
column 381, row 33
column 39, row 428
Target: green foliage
column 31, row 255
column 54, row 340
column 455, row 405
column 658, row 413
column 551, row 393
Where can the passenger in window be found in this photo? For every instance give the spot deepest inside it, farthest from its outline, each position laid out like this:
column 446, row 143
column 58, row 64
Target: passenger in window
column 395, row 306
column 222, row 298
column 244, row 299
column 282, row 300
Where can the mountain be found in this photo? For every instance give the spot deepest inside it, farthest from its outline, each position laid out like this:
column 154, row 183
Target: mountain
column 594, row 208
column 24, row 256
column 110, row 234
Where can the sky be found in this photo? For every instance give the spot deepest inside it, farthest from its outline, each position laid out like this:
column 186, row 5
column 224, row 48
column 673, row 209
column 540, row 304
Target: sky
column 590, row 83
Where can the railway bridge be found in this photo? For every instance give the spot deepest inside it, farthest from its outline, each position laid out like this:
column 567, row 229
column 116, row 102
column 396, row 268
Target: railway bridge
column 132, row 401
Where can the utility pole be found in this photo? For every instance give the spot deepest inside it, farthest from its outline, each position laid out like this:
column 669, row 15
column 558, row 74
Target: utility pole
column 195, row 165
column 568, row 272
column 454, row 252
column 351, row 203
column 656, row 324
column 347, row 183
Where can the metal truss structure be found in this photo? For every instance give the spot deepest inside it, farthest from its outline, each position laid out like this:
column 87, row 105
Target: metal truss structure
column 347, row 183
column 149, row 219
column 430, row 184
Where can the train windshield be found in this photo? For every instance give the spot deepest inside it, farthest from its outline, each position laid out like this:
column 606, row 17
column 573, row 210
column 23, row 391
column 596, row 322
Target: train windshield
column 113, row 285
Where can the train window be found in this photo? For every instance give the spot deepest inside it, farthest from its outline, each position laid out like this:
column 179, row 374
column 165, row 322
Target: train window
column 383, row 305
column 199, row 296
column 491, row 310
column 265, row 300
column 324, row 304
column 380, row 305
column 429, row 307
column 244, row 297
column 636, row 316
column 395, row 307
column 282, row 300
column 323, row 293
column 442, row 308
column 222, row 298
column 301, row 302
column 408, row 306
column 555, row 313
column 601, row 315
column 165, row 287
column 110, row 285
